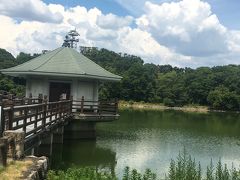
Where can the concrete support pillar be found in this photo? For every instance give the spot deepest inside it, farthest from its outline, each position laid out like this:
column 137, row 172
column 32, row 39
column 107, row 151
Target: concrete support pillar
column 58, row 135
column 57, row 147
column 45, row 147
column 77, row 129
column 57, row 155
column 16, row 143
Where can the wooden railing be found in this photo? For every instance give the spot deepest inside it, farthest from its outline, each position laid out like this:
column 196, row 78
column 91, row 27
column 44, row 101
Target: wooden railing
column 35, row 115
column 11, row 100
column 95, row 107
column 35, row 118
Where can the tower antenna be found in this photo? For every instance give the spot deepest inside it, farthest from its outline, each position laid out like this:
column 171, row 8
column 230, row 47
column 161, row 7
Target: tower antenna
column 71, row 39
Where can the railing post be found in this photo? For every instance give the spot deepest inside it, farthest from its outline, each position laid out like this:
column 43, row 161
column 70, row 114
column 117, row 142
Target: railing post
column 36, row 119
column 2, row 120
column 60, row 110
column 40, row 98
column 116, row 106
column 44, row 112
column 30, row 99
column 25, row 119
column 71, row 104
column 99, row 107
column 82, row 104
column 60, row 107
column 61, row 97
column 10, row 116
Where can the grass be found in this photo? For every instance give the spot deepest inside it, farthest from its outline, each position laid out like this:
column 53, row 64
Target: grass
column 14, row 170
column 183, row 167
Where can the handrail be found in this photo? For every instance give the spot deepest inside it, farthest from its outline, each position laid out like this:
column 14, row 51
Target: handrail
column 31, row 118
column 97, row 107
column 43, row 114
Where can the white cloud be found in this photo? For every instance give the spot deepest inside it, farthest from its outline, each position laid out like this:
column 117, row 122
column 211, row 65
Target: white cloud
column 111, row 21
column 183, row 33
column 29, row 10
column 188, row 27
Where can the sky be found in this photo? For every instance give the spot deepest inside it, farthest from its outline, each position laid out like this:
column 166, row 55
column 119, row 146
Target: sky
column 183, row 33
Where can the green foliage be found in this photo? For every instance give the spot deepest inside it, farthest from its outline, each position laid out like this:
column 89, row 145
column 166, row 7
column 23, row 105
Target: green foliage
column 13, row 85
column 91, row 174
column 166, row 84
column 185, row 168
column 222, row 98
column 6, row 59
column 24, row 57
column 79, row 173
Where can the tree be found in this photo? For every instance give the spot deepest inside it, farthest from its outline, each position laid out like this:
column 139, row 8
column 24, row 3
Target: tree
column 221, row 98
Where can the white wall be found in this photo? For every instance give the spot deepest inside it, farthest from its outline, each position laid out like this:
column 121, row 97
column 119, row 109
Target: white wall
column 37, row 86
column 87, row 89
column 79, row 88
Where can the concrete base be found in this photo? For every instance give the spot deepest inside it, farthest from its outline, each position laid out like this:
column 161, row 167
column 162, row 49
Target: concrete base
column 56, row 158
column 45, row 147
column 77, row 129
column 17, row 145
column 58, row 135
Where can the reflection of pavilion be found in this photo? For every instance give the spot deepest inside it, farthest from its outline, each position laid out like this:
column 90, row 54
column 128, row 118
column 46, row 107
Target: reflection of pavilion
column 86, row 153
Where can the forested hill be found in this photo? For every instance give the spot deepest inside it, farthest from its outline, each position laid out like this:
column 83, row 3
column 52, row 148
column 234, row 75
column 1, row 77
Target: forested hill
column 13, row 85
column 218, row 87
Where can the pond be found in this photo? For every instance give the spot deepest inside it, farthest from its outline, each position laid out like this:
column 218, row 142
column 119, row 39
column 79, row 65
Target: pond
column 150, row 139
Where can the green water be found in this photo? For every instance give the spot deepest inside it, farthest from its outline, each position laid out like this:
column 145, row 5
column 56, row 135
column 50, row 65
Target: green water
column 150, row 139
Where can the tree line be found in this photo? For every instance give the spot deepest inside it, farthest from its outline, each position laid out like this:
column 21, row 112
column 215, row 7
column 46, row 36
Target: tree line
column 10, row 84
column 217, row 87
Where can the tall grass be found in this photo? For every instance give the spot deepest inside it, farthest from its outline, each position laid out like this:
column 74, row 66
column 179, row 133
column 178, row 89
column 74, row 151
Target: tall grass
column 183, row 168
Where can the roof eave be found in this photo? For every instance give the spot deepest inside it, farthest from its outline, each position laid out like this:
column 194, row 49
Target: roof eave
column 69, row 75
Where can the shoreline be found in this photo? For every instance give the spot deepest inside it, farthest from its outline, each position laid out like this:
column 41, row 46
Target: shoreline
column 152, row 106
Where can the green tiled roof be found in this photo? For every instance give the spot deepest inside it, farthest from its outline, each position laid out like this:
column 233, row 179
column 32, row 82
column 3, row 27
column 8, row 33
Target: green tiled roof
column 65, row 62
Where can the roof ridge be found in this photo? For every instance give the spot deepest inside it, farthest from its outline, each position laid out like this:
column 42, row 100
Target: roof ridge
column 48, row 59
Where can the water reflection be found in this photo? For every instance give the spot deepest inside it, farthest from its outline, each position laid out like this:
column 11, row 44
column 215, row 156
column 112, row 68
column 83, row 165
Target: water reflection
column 83, row 153
column 150, row 139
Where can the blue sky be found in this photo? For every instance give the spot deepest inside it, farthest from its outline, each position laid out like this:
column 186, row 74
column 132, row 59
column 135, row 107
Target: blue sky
column 106, row 6
column 182, row 33
column 227, row 10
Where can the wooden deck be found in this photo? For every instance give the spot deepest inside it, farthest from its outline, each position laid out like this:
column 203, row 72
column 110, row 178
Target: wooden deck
column 95, row 117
